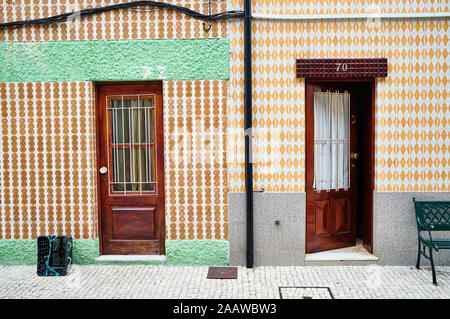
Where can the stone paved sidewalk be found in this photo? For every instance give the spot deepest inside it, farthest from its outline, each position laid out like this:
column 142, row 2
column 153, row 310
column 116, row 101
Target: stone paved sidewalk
column 190, row 282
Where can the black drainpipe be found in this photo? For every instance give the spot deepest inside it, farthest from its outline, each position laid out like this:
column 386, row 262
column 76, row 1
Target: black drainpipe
column 248, row 128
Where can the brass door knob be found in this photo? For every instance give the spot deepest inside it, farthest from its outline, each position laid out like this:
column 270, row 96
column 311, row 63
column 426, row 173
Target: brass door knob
column 354, row 155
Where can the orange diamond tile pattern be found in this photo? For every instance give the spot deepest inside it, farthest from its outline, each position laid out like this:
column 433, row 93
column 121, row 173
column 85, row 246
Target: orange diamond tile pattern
column 48, row 168
column 47, row 181
column 411, row 103
column 142, row 22
column 47, row 160
column 195, row 162
column 313, row 7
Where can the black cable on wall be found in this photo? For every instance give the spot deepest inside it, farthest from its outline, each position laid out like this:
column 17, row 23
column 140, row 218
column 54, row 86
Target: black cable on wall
column 87, row 12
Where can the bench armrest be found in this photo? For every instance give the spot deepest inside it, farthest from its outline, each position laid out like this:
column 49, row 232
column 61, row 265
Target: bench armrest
column 425, row 227
column 429, row 233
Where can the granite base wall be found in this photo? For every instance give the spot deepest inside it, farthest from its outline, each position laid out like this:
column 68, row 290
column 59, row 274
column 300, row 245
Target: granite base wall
column 395, row 231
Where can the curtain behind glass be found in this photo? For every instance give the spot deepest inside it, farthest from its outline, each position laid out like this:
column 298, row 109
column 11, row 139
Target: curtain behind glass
column 331, row 141
column 132, row 152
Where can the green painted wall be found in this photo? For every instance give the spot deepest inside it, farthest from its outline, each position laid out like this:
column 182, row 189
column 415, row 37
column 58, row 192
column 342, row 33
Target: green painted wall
column 24, row 251
column 198, row 252
column 178, row 252
column 16, row 252
column 124, row 60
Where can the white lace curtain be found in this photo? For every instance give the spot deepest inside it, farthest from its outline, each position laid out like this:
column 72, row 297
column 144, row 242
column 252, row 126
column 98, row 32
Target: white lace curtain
column 331, row 141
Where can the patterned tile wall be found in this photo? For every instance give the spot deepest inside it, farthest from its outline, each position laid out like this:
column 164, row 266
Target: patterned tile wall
column 47, row 181
column 411, row 103
column 142, row 22
column 48, row 176
column 37, row 199
column 195, row 161
column 312, row 7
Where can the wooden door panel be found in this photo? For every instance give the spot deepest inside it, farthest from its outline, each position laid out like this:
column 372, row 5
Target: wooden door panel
column 132, row 222
column 134, row 247
column 334, row 241
column 131, row 168
column 330, row 215
column 322, row 214
column 342, row 211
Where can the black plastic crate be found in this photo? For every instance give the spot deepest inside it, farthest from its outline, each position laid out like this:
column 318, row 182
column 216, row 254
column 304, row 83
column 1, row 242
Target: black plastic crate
column 54, row 255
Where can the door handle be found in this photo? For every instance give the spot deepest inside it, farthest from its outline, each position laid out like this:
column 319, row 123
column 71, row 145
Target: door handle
column 354, row 156
column 103, row 170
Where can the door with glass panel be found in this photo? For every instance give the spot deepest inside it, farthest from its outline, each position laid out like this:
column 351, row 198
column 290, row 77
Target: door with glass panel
column 130, row 168
column 331, row 166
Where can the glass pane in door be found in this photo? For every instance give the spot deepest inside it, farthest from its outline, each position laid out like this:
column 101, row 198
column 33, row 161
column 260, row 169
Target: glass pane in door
column 132, row 149
column 331, row 141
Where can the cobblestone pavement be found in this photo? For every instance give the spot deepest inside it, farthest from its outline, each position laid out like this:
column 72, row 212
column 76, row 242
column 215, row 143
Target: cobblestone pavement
column 190, row 282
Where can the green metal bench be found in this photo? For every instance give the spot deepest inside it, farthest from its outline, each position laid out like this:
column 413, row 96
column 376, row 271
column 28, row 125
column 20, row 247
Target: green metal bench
column 431, row 216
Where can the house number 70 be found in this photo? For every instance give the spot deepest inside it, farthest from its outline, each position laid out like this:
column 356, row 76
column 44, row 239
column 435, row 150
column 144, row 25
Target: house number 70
column 341, row 66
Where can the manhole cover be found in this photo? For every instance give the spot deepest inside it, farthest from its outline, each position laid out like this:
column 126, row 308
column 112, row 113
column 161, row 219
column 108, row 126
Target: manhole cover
column 305, row 293
column 222, row 273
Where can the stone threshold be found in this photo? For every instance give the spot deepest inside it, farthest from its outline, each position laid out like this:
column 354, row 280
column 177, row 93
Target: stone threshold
column 130, row 258
column 354, row 253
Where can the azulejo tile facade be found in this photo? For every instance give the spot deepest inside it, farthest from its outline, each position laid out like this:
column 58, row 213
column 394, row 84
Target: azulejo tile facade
column 49, row 181
column 411, row 114
column 48, row 158
column 196, row 179
column 411, row 103
column 135, row 23
column 48, row 175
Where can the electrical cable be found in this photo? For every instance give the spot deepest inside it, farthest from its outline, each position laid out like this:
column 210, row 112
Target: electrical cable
column 234, row 14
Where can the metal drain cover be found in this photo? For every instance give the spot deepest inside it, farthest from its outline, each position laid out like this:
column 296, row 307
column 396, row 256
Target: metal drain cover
column 222, row 273
column 305, row 293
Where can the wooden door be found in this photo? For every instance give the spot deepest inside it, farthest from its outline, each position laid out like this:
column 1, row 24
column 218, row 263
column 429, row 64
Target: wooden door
column 330, row 213
column 130, row 162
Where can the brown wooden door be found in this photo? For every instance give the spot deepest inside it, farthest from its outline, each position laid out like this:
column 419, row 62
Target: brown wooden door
column 130, row 168
column 330, row 213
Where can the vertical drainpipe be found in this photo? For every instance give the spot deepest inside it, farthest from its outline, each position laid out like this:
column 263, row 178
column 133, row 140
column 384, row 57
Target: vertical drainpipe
column 248, row 129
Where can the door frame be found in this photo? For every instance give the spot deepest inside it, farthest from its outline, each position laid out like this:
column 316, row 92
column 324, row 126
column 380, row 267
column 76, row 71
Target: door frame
column 367, row 189
column 161, row 220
